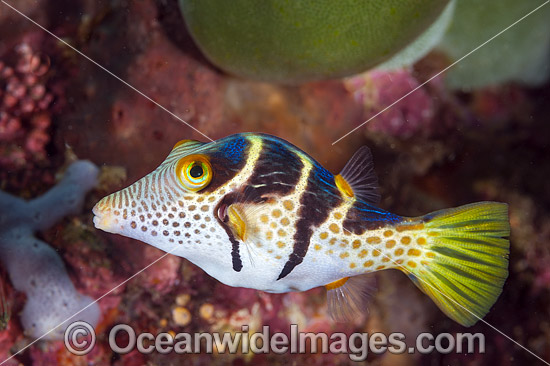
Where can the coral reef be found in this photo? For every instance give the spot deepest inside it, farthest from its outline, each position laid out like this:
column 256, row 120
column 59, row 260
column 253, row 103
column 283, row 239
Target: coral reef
column 25, row 108
column 376, row 90
column 33, row 266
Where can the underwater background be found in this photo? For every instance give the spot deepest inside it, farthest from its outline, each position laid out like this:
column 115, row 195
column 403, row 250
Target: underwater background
column 479, row 131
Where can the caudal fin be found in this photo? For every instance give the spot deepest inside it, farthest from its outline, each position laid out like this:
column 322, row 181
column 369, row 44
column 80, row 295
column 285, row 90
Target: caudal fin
column 467, row 259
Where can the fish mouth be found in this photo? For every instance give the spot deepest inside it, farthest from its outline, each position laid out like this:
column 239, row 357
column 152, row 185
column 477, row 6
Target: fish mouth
column 104, row 219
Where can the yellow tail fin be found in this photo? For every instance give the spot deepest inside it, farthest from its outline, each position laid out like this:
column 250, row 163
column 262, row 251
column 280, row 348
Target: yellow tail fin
column 469, row 259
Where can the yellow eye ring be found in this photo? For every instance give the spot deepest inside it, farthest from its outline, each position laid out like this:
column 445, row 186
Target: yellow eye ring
column 194, row 172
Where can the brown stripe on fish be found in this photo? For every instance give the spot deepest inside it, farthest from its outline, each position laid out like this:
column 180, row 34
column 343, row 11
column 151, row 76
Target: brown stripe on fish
column 222, row 218
column 227, row 157
column 277, row 170
column 319, row 198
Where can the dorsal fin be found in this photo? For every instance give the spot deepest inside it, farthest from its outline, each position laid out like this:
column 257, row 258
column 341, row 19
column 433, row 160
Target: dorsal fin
column 358, row 177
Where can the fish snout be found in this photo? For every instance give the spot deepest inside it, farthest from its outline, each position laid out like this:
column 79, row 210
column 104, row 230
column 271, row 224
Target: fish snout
column 104, row 216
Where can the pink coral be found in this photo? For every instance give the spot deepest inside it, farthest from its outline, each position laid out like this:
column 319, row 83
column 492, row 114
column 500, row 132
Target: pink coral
column 25, row 102
column 377, row 90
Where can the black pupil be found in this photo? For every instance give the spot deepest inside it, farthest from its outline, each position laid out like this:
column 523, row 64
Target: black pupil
column 196, row 171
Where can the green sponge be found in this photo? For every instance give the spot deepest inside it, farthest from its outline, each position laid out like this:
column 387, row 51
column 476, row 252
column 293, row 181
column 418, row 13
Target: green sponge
column 296, row 41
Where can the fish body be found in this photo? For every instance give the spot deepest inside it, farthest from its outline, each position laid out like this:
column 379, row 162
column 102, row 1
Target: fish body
column 254, row 211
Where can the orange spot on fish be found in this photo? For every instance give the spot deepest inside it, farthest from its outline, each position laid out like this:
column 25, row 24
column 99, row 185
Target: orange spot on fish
column 414, row 252
column 343, row 186
column 373, row 240
column 334, row 228
column 401, row 228
column 390, row 244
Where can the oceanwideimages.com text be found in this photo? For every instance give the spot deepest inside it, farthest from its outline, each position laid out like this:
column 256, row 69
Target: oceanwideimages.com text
column 80, row 339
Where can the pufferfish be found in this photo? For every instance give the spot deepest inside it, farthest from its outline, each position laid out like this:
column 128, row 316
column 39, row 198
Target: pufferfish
column 253, row 210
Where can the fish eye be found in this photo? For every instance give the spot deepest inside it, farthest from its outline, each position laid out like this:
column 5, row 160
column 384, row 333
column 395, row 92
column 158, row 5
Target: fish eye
column 194, row 172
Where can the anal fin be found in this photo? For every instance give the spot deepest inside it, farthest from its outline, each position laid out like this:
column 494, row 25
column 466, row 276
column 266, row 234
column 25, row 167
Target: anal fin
column 348, row 297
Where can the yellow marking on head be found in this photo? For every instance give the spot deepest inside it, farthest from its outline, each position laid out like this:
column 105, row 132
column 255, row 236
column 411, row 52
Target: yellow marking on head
column 276, row 213
column 288, row 205
column 344, row 255
column 336, row 284
column 411, row 264
column 281, row 232
column 421, row 241
column 337, row 215
column 334, row 228
column 236, row 222
column 390, row 244
column 285, row 221
column 430, row 255
column 368, row 263
column 352, row 265
column 388, row 233
column 181, row 142
column 269, row 235
column 406, row 240
column 278, row 257
column 373, row 240
column 399, row 261
column 273, row 225
column 362, row 253
column 332, row 241
column 385, row 259
column 343, row 186
column 380, row 267
column 414, row 252
column 317, row 247
column 399, row 251
column 356, row 244
column 376, row 252
column 406, row 227
column 323, row 235
column 280, row 244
